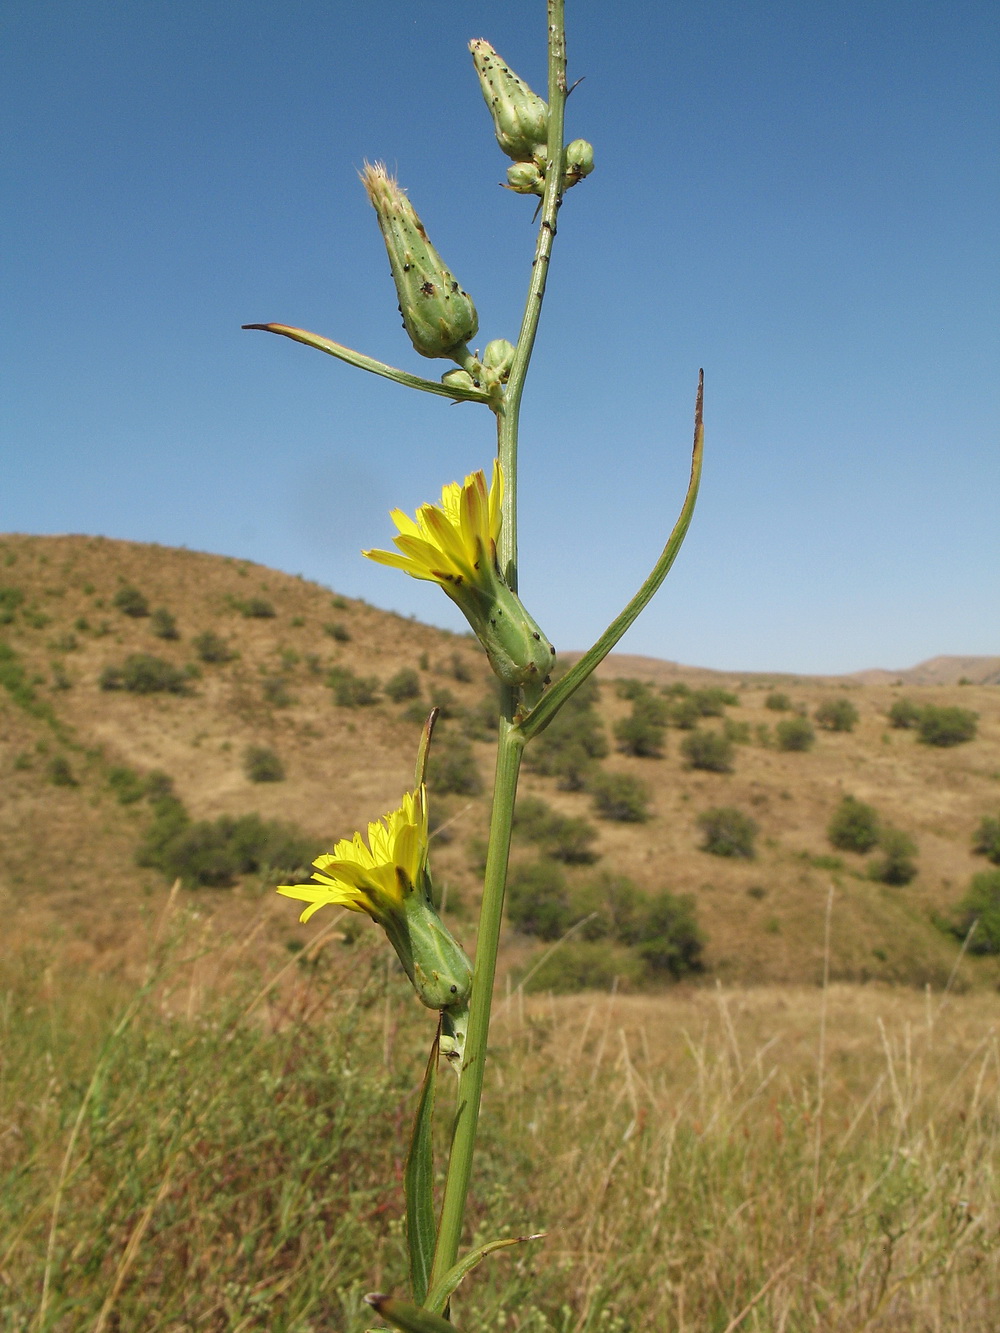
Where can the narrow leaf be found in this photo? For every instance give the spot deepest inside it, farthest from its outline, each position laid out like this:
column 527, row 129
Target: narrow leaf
column 418, row 1180
column 444, row 1289
column 363, row 362
column 410, row 1318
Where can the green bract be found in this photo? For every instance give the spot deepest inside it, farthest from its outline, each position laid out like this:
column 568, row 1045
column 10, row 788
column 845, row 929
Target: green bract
column 520, row 117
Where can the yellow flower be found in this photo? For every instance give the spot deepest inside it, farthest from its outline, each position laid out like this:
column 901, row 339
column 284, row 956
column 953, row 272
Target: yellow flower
column 375, row 878
column 454, row 544
column 387, row 877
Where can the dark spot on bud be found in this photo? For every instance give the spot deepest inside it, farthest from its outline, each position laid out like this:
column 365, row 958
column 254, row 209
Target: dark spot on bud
column 427, row 288
column 454, row 285
column 454, row 990
column 407, row 267
column 552, row 650
column 536, row 635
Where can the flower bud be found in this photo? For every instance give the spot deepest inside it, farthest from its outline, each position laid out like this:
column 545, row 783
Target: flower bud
column 459, row 379
column 520, row 117
column 499, row 357
column 525, row 178
column 579, row 162
column 439, row 317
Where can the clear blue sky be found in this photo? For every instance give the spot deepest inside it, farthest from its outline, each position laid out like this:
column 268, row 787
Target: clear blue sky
column 802, row 197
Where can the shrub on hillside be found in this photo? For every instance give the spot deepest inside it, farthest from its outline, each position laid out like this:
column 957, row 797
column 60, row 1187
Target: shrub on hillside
column 684, row 713
column 452, row 768
column 580, row 965
column 714, row 700
column 620, row 797
column 142, row 673
column 794, row 733
column 946, row 725
column 256, row 608
column 672, row 942
column 130, row 601
column 641, row 733
column 216, row 854
column 126, row 784
column 895, row 865
column 163, row 624
column 560, row 836
column 837, row 715
column 778, row 702
column 351, row 691
column 981, row 908
column 853, row 826
column 538, row 900
column 211, row 647
column 727, row 832
column 10, row 600
column 59, row 772
column 904, row 713
column 569, row 746
column 337, row 631
column 986, row 841
column 261, row 764
column 405, row 684
column 710, row 751
column 276, row 692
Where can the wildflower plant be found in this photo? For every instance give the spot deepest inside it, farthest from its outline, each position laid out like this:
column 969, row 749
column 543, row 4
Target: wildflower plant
column 467, row 544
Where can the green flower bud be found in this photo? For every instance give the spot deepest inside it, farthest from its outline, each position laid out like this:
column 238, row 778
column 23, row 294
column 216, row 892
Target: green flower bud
column 525, row 178
column 439, row 317
column 520, row 117
column 579, row 162
column 499, row 357
column 461, row 379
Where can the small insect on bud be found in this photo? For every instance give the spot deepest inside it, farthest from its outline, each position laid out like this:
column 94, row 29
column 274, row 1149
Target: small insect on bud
column 520, row 117
column 499, row 357
column 579, row 162
column 525, row 178
column 439, row 317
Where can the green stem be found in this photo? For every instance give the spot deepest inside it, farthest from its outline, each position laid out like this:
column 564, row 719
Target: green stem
column 511, row 740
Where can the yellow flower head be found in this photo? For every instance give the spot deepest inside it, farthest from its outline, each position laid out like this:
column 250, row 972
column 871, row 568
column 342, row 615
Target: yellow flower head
column 453, row 543
column 374, row 878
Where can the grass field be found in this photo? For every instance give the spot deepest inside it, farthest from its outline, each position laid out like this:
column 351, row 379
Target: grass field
column 221, row 1149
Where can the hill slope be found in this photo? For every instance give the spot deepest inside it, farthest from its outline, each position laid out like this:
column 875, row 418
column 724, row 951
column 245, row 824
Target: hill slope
column 69, row 874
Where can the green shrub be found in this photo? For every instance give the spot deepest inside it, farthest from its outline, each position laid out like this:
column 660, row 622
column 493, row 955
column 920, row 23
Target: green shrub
column 778, row 702
column 337, row 631
column 10, row 600
column 714, row 700
column 351, row 691
column 727, row 832
column 144, row 674
column 837, row 715
column 538, row 900
column 794, row 733
column 684, row 713
column 256, row 608
column 641, row 733
column 981, row 907
column 580, row 965
column 630, row 688
column 711, row 751
column 947, row 725
column 986, row 841
column 130, row 601
column 568, row 747
column 853, row 826
column 614, row 907
column 59, row 772
column 904, row 713
column 672, row 941
column 452, row 769
column 163, row 624
column 218, row 853
column 560, row 836
column 276, row 692
column 211, row 647
column 737, row 732
column 405, row 684
column 896, row 865
column 460, row 670
column 126, row 784
column 620, row 797
column 262, row 765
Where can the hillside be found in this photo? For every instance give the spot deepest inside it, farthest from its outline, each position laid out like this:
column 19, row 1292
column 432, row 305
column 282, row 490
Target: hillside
column 69, row 878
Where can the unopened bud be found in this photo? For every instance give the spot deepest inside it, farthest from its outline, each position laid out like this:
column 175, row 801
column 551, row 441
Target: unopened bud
column 499, row 357
column 579, row 162
column 525, row 178
column 520, row 117
column 439, row 317
column 458, row 379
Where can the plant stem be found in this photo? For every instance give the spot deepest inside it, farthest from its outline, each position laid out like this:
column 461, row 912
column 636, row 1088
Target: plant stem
column 511, row 740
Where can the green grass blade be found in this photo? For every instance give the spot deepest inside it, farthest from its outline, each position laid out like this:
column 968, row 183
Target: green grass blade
column 410, row 1318
column 444, row 1289
column 418, row 1181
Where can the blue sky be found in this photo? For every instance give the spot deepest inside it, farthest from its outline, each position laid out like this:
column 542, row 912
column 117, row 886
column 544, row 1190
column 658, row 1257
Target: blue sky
column 800, row 197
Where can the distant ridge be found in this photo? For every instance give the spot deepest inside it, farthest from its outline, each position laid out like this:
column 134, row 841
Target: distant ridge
column 944, row 670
